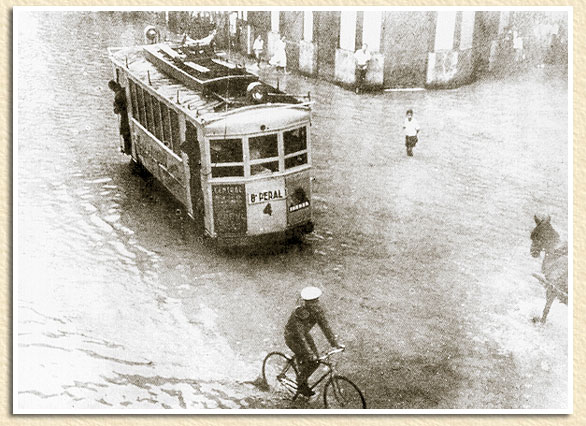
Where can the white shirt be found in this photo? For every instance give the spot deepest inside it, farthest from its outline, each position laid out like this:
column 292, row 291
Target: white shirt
column 362, row 57
column 411, row 127
column 258, row 44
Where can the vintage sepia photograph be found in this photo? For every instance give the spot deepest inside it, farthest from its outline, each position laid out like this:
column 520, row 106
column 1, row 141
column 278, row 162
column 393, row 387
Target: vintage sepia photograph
column 284, row 210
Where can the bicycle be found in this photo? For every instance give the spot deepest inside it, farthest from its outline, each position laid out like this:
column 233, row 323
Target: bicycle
column 280, row 373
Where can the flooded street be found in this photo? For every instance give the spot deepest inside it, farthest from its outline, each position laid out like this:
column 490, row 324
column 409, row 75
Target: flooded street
column 424, row 261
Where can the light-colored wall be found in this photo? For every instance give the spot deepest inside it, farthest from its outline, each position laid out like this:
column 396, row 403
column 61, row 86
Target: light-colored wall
column 374, row 75
column 345, row 66
column 449, row 68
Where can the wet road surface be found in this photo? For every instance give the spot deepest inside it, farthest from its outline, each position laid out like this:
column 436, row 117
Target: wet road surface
column 424, row 261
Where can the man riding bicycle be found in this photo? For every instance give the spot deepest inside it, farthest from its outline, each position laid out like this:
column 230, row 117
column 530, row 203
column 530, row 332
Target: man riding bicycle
column 299, row 340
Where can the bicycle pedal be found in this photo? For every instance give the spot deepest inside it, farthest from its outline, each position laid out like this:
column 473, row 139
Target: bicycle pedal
column 306, row 398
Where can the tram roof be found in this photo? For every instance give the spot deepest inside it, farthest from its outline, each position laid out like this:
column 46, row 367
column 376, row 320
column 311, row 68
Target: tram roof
column 191, row 102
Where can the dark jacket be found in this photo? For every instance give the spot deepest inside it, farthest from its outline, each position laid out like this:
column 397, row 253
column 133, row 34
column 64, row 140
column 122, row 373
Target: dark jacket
column 120, row 107
column 300, row 323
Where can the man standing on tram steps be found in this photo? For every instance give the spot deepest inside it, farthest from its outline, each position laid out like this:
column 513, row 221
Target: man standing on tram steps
column 411, row 127
column 299, row 340
column 362, row 58
column 120, row 108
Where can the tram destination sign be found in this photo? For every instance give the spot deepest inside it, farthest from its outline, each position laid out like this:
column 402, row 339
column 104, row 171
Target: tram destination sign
column 266, row 196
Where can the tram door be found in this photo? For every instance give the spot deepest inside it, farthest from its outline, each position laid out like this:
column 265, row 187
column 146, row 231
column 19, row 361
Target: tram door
column 191, row 148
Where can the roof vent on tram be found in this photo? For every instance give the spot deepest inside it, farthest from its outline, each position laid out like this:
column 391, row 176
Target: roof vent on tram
column 258, row 92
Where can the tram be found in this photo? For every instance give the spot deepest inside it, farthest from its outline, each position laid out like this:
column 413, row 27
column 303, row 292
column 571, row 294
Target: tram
column 233, row 150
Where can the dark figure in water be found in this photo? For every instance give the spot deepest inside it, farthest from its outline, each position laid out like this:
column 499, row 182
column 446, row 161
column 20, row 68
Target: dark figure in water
column 121, row 108
column 555, row 263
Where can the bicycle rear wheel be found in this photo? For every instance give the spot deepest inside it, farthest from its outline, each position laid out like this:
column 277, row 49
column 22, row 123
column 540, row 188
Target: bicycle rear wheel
column 279, row 373
column 341, row 392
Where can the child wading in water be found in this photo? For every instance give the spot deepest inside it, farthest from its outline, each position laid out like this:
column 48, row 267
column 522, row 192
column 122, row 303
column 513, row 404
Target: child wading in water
column 411, row 127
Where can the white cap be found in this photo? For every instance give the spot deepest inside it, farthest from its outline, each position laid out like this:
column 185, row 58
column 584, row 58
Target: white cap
column 310, row 293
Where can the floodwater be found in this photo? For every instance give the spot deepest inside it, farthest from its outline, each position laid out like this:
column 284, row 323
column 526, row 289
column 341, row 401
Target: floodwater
column 424, row 261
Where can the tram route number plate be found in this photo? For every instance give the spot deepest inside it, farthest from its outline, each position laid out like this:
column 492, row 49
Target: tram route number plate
column 267, row 196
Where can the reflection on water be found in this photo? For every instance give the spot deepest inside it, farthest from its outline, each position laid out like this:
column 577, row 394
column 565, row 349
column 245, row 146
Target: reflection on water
column 120, row 305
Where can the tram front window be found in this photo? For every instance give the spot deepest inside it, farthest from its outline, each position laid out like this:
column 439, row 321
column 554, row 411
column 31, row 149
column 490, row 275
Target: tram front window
column 226, row 150
column 224, row 153
column 261, row 148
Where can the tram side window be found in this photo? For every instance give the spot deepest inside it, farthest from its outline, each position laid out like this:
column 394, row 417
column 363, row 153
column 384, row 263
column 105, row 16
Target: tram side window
column 166, row 125
column 296, row 160
column 150, row 121
column 175, row 130
column 226, row 151
column 141, row 106
column 157, row 115
column 295, row 142
column 133, row 100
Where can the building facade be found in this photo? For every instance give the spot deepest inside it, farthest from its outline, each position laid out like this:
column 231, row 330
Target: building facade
column 409, row 49
column 434, row 49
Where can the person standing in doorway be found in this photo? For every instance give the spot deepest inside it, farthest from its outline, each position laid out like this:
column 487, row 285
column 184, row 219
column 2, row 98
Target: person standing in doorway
column 411, row 127
column 258, row 48
column 362, row 58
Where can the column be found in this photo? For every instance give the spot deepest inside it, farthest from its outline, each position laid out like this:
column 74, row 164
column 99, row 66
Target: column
column 308, row 26
column 372, row 30
column 306, row 47
column 467, row 30
column 275, row 21
column 444, row 30
column 348, row 30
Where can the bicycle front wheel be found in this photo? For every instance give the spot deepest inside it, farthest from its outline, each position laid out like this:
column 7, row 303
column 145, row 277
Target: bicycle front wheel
column 279, row 373
column 341, row 392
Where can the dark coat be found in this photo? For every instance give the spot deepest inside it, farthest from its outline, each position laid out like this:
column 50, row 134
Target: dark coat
column 120, row 107
column 300, row 323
